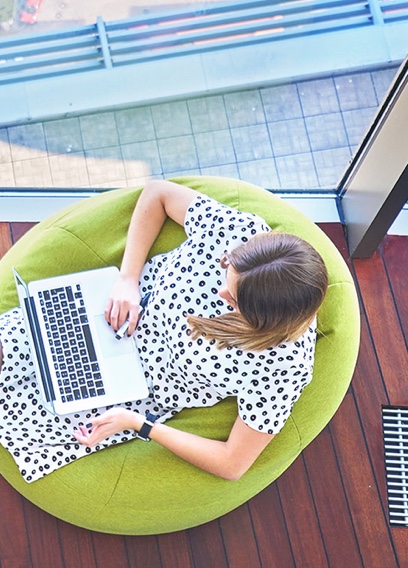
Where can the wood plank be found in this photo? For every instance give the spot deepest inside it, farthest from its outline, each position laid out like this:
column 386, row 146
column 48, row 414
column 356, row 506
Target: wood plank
column 301, row 518
column 143, row 551
column 270, row 529
column 366, row 507
column 18, row 229
column 394, row 251
column 239, row 539
column 207, row 546
column 110, row 550
column 77, row 546
column 384, row 324
column 5, row 238
column 175, row 550
column 335, row 232
column 369, row 402
column 43, row 537
column 395, row 255
column 14, row 548
column 388, row 355
column 330, row 501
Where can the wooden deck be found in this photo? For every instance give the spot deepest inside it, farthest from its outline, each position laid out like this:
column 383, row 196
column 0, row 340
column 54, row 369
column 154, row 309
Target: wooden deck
column 328, row 510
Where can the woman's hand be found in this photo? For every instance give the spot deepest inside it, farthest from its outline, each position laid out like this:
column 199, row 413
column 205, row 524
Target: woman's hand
column 123, row 304
column 109, row 423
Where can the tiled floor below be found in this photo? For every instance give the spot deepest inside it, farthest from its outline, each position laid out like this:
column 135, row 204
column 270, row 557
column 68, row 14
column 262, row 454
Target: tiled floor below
column 293, row 136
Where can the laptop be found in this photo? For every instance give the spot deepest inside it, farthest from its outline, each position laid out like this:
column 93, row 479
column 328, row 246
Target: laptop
column 79, row 363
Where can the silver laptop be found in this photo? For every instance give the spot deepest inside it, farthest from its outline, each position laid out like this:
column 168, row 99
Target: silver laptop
column 79, row 363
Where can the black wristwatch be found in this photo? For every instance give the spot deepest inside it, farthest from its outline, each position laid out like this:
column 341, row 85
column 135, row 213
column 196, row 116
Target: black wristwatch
column 148, row 424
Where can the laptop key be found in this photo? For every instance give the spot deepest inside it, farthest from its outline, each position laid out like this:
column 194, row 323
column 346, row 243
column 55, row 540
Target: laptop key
column 70, row 295
column 55, row 291
column 88, row 340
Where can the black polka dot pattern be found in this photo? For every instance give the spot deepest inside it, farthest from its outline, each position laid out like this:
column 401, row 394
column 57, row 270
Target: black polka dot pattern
column 181, row 373
column 186, row 373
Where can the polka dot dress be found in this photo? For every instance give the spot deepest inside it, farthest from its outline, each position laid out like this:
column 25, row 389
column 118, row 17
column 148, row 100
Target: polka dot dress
column 182, row 373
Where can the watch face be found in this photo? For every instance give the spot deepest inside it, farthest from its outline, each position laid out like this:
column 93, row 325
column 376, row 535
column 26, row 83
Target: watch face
column 146, row 428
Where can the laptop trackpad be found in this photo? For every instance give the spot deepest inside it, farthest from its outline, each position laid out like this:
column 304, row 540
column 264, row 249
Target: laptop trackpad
column 110, row 346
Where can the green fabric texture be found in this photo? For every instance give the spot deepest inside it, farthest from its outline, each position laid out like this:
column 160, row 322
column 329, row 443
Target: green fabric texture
column 138, row 488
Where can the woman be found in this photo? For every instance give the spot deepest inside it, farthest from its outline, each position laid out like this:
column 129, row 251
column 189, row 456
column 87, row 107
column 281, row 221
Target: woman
column 203, row 336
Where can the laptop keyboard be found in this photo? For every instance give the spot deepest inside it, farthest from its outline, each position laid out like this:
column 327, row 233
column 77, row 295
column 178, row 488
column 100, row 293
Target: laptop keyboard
column 71, row 343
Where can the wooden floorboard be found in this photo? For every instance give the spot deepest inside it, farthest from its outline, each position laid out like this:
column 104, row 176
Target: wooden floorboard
column 14, row 543
column 330, row 501
column 300, row 512
column 270, row 528
column 143, row 551
column 110, row 550
column 207, row 546
column 395, row 256
column 329, row 509
column 43, row 537
column 77, row 546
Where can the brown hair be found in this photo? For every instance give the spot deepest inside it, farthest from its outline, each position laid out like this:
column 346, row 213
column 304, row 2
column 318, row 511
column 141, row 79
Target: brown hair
column 282, row 280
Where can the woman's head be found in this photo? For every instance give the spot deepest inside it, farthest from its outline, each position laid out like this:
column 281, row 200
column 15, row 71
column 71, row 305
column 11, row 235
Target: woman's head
column 276, row 283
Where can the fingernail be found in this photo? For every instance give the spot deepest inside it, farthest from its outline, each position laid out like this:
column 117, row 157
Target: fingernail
column 89, row 425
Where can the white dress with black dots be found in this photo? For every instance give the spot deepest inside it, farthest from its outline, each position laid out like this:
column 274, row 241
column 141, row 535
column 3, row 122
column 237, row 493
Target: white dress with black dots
column 182, row 373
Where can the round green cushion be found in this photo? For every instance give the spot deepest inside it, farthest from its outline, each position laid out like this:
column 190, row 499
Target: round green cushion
column 141, row 488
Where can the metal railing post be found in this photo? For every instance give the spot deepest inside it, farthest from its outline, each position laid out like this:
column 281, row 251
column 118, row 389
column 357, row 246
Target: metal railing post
column 103, row 37
column 376, row 12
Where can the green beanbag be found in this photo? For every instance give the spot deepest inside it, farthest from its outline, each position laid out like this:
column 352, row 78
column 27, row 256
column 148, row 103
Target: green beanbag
column 140, row 488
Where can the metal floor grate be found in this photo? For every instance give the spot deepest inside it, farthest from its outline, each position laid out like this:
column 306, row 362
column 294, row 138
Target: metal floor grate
column 395, row 434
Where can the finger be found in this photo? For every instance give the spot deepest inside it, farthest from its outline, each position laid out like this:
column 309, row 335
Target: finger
column 118, row 315
column 81, row 437
column 123, row 314
column 134, row 316
column 108, row 309
column 88, row 438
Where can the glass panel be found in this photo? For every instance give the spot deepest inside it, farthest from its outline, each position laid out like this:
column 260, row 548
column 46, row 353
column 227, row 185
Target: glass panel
column 265, row 92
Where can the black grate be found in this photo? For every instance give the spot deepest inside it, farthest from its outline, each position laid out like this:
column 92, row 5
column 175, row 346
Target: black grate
column 395, row 434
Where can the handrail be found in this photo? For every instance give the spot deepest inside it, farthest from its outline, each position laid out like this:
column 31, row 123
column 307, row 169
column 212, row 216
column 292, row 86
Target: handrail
column 113, row 44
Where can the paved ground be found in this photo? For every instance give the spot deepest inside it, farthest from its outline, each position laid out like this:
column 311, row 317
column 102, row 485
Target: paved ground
column 295, row 136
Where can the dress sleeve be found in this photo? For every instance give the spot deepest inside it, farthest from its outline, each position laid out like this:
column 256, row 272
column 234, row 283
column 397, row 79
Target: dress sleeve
column 209, row 217
column 266, row 401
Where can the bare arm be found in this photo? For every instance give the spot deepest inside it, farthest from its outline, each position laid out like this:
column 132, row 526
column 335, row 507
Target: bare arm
column 158, row 200
column 229, row 459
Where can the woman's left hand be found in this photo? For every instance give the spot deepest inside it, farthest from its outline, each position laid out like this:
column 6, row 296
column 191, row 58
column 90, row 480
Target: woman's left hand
column 109, row 423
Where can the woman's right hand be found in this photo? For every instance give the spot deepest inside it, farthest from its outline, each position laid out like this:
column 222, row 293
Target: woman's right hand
column 123, row 304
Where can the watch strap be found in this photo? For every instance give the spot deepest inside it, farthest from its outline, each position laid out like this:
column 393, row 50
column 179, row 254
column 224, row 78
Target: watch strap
column 148, row 424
